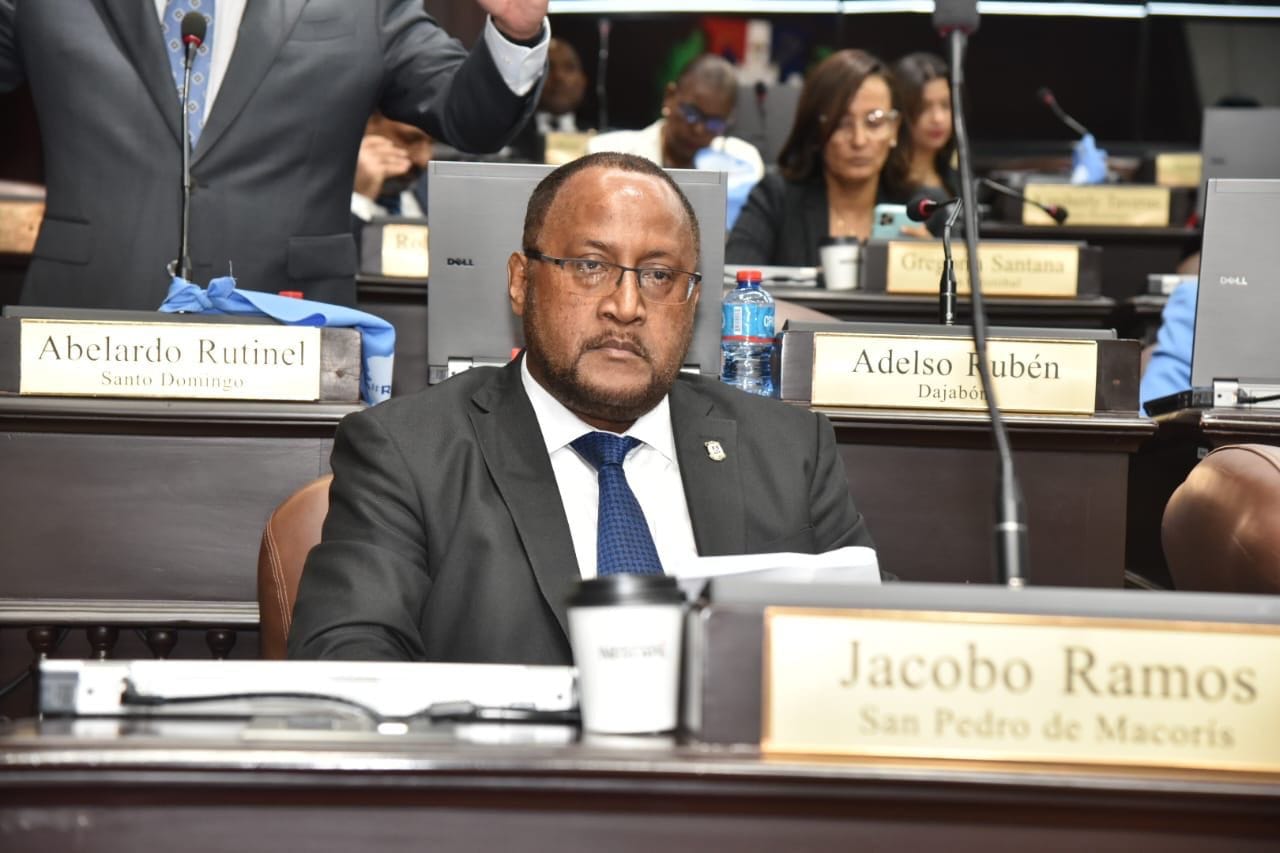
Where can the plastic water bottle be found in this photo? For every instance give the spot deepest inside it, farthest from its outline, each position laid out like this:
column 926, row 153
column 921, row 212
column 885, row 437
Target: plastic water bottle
column 746, row 336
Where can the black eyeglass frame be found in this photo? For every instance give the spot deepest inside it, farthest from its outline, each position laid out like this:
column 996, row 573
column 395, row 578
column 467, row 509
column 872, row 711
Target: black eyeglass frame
column 692, row 115
column 695, row 278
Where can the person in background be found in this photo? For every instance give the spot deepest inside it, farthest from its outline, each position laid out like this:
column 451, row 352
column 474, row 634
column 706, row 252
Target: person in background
column 280, row 96
column 562, row 93
column 1167, row 368
column 391, row 170
column 692, row 133
column 460, row 518
column 926, row 139
column 831, row 168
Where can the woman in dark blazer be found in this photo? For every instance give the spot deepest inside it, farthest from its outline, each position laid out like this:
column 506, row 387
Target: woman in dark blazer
column 831, row 169
column 926, row 140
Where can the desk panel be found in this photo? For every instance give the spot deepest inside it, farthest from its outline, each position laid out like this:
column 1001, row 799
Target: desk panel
column 323, row 794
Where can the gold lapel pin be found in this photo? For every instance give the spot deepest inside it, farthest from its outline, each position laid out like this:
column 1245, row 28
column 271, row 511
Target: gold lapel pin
column 714, row 451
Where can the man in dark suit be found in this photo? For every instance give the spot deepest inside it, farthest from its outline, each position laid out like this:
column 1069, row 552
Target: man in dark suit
column 288, row 85
column 461, row 517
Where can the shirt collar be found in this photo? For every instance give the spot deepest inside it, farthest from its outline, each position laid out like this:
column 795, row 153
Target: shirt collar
column 560, row 426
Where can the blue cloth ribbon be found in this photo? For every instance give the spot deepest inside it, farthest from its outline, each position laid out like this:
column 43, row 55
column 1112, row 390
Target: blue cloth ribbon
column 377, row 336
column 1088, row 162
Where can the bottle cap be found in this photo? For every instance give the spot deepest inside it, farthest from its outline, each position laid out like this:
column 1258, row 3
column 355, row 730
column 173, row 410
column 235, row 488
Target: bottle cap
column 292, row 294
column 750, row 275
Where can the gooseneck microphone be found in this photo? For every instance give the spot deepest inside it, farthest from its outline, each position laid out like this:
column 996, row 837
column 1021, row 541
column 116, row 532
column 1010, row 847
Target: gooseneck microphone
column 193, row 32
column 1056, row 211
column 955, row 20
column 1046, row 97
column 920, row 208
column 923, row 205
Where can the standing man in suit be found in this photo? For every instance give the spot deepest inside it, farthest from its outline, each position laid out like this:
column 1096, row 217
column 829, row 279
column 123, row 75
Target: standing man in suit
column 461, row 517
column 281, row 93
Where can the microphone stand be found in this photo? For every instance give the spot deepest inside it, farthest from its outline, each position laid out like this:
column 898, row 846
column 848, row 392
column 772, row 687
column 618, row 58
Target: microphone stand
column 947, row 286
column 1011, row 528
column 1058, row 214
column 182, row 266
column 603, row 26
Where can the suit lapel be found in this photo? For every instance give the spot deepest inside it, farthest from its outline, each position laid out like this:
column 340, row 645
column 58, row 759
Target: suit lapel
column 712, row 473
column 136, row 29
column 511, row 442
column 262, row 31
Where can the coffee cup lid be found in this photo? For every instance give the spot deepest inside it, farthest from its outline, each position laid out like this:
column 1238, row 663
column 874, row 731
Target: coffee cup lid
column 623, row 588
column 841, row 241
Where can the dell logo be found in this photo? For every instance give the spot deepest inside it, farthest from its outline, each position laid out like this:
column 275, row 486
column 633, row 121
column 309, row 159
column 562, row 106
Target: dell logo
column 1238, row 280
column 460, row 262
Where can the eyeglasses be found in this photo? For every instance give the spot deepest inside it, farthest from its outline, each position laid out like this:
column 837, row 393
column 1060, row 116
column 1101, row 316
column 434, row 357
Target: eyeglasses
column 590, row 277
column 877, row 124
column 693, row 115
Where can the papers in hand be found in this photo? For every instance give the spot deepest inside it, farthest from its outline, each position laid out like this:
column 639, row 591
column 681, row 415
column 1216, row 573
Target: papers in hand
column 853, row 564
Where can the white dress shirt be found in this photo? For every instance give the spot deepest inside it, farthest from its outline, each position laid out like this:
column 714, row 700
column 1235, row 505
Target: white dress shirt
column 520, row 67
column 652, row 470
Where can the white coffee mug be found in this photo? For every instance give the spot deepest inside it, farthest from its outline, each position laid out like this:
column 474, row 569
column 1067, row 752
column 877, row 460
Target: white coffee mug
column 841, row 263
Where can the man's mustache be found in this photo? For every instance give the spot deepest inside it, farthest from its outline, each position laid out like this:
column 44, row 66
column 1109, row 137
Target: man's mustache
column 621, row 342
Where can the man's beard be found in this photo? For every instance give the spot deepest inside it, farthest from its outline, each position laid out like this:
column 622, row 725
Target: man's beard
column 564, row 381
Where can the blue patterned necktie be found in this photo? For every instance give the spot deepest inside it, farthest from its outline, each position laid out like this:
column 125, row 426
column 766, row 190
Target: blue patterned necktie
column 623, row 543
column 174, row 11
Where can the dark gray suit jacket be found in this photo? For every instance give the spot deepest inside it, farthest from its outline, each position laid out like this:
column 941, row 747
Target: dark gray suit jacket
column 275, row 162
column 446, row 538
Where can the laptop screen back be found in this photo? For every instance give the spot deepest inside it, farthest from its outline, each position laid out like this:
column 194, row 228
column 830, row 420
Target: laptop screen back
column 1239, row 142
column 1238, row 301
column 477, row 216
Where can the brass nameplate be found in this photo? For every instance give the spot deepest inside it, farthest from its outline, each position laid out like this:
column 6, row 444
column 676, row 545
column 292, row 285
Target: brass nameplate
column 917, row 372
column 564, row 147
column 1007, row 268
column 1007, row 687
column 404, row 250
column 177, row 360
column 19, row 224
column 1179, row 169
column 1144, row 206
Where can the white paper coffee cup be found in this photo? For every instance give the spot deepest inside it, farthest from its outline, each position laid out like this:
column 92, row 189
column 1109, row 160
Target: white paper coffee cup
column 626, row 632
column 841, row 264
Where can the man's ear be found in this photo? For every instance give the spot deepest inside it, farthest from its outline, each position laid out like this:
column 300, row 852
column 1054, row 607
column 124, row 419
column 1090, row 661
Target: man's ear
column 517, row 281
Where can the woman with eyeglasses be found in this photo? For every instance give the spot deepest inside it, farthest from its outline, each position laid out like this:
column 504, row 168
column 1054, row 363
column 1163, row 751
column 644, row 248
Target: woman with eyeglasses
column 926, row 141
column 831, row 168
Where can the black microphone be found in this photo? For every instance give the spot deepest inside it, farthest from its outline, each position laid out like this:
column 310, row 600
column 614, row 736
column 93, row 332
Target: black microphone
column 924, row 203
column 955, row 20
column 1046, row 97
column 1056, row 211
column 194, row 27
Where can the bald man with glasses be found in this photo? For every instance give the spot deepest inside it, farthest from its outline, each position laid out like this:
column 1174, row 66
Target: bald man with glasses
column 462, row 517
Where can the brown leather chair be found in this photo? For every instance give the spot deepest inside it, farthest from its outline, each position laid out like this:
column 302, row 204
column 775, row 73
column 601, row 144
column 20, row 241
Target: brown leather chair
column 1221, row 527
column 291, row 532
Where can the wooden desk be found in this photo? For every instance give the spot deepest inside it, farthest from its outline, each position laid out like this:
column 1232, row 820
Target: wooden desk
column 912, row 472
column 1129, row 255
column 124, row 514
column 1088, row 312
column 208, row 788
column 142, row 514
